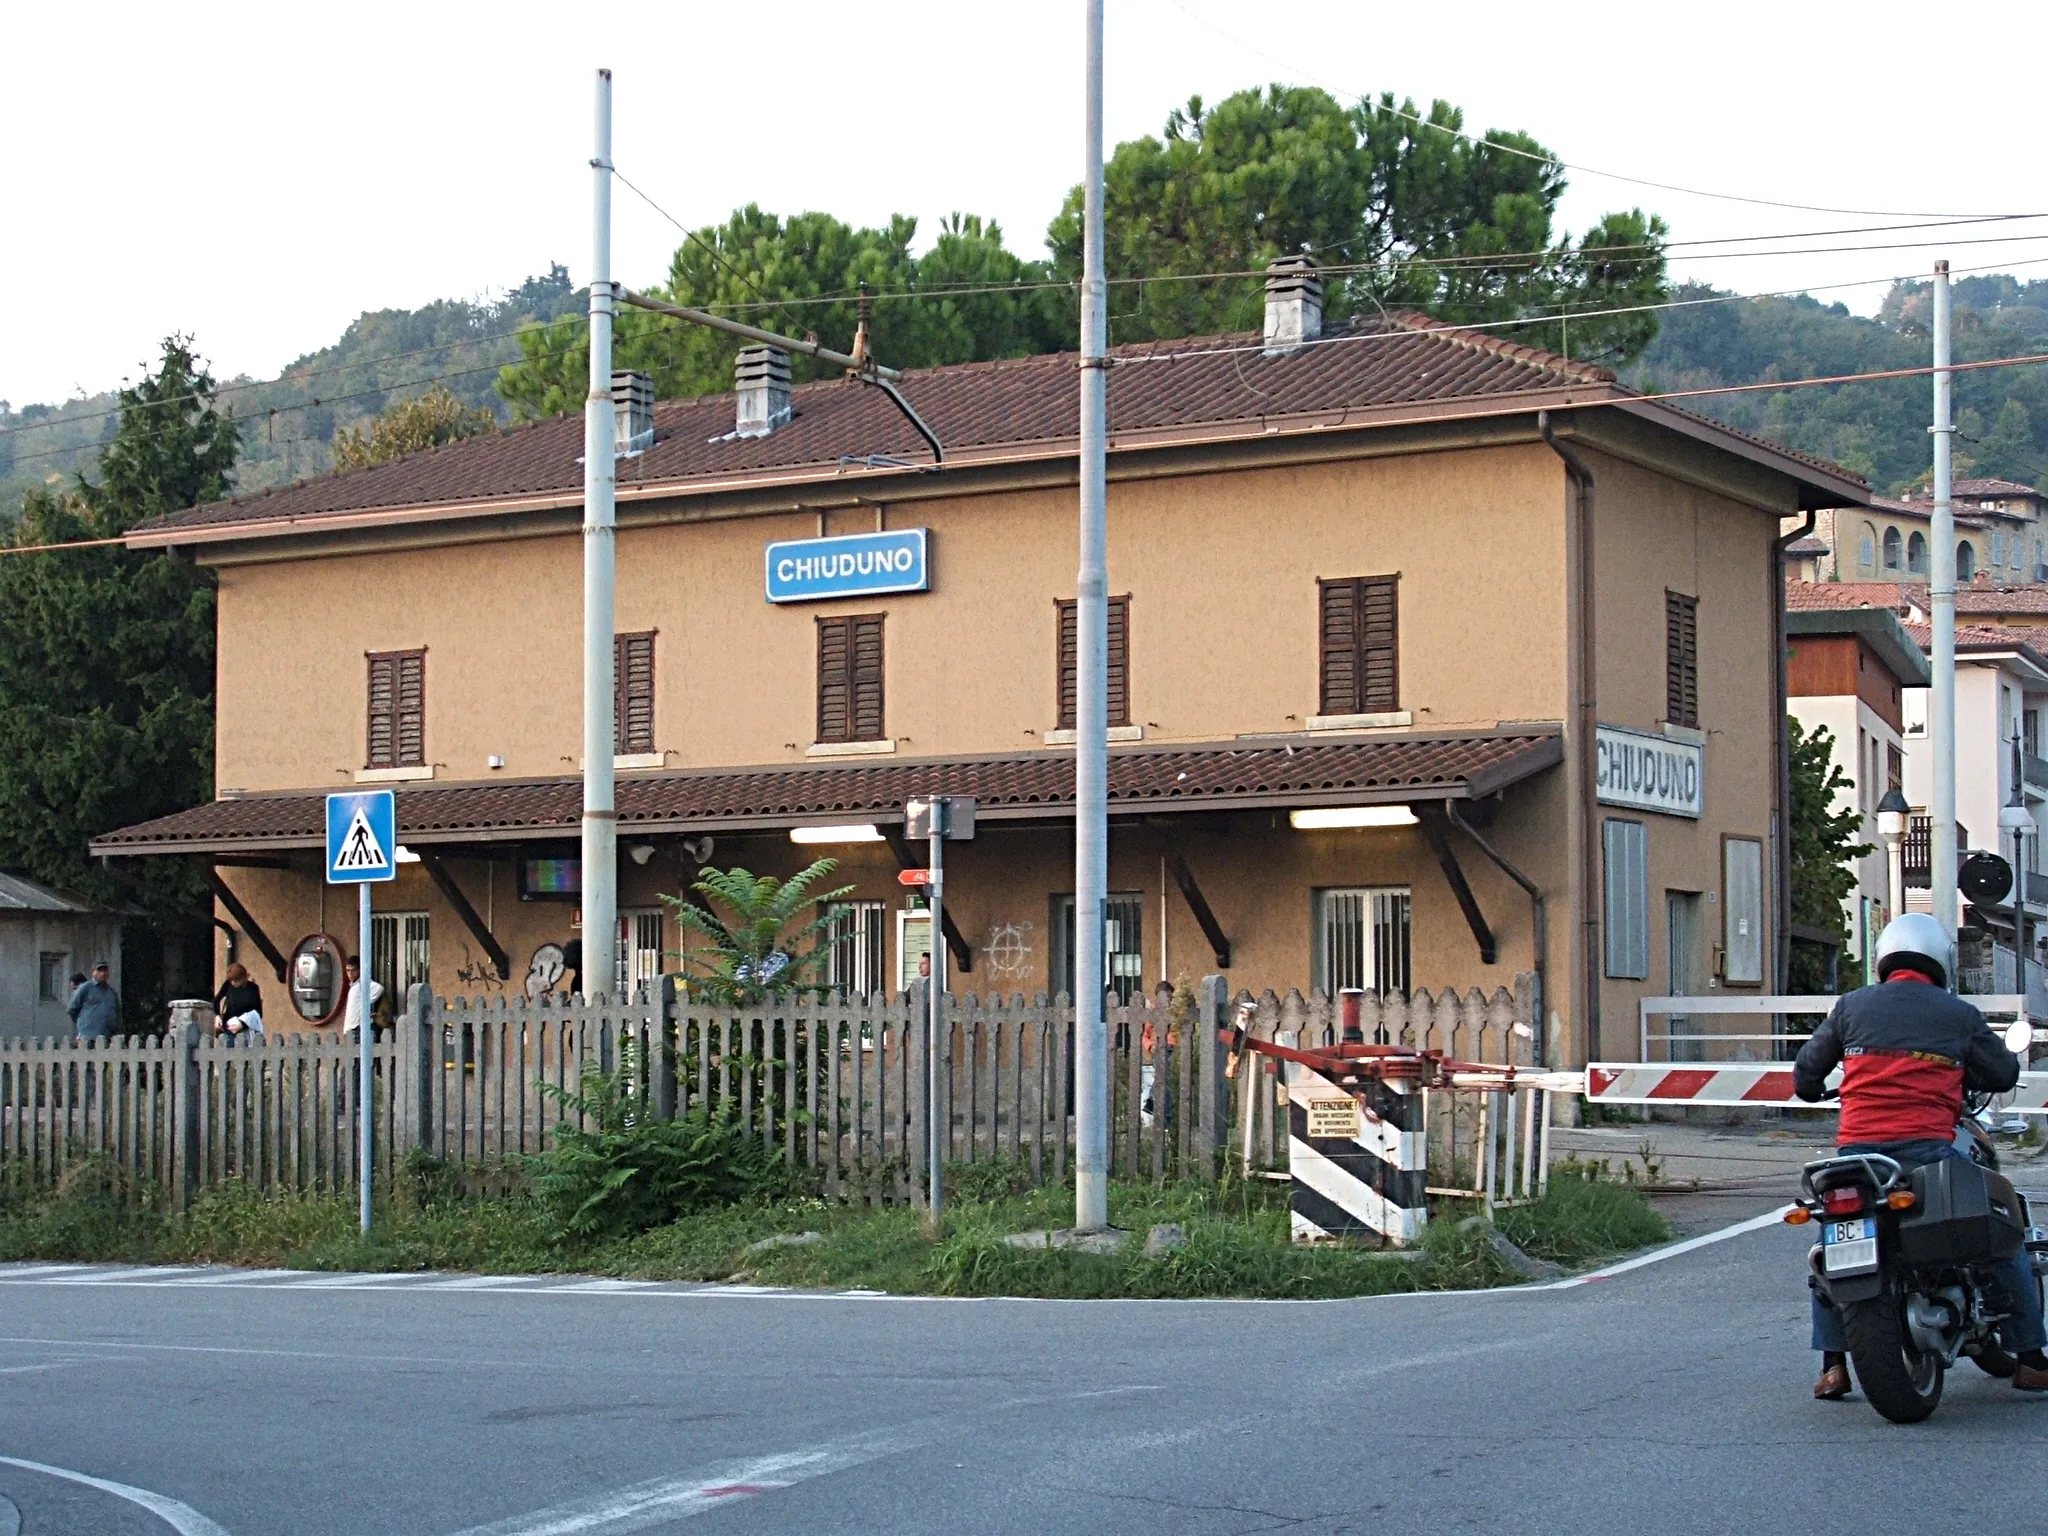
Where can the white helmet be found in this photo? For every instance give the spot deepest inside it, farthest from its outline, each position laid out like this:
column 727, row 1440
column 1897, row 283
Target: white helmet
column 1914, row 941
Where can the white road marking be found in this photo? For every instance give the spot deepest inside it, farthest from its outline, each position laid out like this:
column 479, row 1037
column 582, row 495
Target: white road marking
column 234, row 1276
column 1672, row 1251
column 288, row 1354
column 182, row 1518
column 662, row 1499
column 478, row 1282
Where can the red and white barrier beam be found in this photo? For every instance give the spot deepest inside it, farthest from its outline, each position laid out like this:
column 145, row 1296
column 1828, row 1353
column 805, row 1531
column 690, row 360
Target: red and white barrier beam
column 1746, row 1085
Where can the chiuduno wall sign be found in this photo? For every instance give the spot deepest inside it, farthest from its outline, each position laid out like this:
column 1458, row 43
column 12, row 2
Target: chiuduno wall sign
column 1648, row 772
column 852, row 565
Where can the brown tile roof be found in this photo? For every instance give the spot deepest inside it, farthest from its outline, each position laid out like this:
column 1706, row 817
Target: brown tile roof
column 1991, row 488
column 1238, row 775
column 988, row 409
column 1981, row 638
column 1850, row 594
column 1978, row 597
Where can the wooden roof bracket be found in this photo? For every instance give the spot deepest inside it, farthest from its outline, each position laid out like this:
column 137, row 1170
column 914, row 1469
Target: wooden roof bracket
column 1431, row 819
column 240, row 913
column 444, row 882
column 1199, row 905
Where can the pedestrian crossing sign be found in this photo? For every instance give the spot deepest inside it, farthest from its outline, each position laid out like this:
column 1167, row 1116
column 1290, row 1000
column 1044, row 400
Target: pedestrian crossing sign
column 362, row 838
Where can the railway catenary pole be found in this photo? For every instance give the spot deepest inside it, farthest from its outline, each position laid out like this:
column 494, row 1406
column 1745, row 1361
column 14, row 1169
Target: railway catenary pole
column 1091, row 698
column 1941, row 704
column 600, row 872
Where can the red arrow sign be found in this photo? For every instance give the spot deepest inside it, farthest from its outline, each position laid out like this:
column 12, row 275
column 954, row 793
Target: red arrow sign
column 914, row 877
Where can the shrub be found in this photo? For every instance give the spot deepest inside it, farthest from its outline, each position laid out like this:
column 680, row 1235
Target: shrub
column 627, row 1171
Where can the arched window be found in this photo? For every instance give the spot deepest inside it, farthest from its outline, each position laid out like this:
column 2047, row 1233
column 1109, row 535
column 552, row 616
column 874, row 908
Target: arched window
column 1966, row 561
column 1916, row 554
column 1866, row 549
column 1891, row 549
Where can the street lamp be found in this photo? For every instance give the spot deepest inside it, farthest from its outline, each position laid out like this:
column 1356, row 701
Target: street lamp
column 2019, row 821
column 1892, row 812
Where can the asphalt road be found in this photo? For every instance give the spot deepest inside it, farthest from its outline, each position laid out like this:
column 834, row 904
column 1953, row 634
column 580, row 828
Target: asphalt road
column 1673, row 1397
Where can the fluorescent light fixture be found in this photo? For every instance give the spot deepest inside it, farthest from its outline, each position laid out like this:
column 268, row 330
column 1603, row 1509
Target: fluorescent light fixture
column 405, row 855
column 1324, row 818
column 863, row 832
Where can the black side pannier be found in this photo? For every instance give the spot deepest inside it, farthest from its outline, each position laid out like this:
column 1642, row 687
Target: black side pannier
column 1962, row 1214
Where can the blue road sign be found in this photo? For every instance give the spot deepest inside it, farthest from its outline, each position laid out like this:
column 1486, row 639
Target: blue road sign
column 854, row 565
column 362, row 837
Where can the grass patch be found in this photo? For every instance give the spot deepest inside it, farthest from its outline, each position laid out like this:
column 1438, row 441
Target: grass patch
column 1583, row 1220
column 1237, row 1238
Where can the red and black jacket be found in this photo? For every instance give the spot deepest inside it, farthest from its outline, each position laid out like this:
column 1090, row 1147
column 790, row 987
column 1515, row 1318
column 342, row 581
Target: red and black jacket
column 1907, row 1050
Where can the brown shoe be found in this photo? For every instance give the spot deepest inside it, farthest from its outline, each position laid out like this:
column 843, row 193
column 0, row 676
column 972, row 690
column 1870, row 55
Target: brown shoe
column 2028, row 1379
column 1833, row 1385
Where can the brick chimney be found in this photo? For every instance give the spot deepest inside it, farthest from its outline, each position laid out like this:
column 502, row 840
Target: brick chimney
column 633, row 410
column 761, row 377
column 1294, row 305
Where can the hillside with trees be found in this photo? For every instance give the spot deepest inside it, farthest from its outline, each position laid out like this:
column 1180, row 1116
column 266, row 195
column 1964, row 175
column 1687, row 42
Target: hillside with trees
column 1879, row 430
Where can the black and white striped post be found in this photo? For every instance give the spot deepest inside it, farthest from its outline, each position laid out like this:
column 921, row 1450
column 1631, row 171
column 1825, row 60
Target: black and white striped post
column 1357, row 1163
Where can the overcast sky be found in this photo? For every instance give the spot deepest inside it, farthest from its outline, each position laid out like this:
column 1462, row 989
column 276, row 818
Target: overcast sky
column 259, row 174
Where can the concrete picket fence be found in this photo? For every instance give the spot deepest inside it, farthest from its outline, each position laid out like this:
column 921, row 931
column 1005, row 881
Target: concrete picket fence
column 838, row 1084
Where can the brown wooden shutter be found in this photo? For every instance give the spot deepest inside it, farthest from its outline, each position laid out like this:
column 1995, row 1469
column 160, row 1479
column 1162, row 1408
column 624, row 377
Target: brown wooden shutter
column 1119, row 660
column 397, row 736
column 633, row 687
column 1681, row 660
column 383, row 700
column 850, row 679
column 834, row 714
column 866, row 680
column 1360, row 671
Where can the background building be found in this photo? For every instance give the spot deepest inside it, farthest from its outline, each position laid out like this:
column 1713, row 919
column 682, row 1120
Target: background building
column 46, row 937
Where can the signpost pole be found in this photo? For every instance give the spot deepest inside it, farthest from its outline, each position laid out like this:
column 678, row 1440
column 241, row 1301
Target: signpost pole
column 362, row 850
column 935, row 899
column 366, row 1120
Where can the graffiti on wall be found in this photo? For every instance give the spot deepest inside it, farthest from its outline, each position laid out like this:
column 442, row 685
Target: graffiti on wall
column 1008, row 952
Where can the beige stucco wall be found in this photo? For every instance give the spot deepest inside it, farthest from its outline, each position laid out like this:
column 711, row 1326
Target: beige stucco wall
column 1657, row 533
column 1221, row 570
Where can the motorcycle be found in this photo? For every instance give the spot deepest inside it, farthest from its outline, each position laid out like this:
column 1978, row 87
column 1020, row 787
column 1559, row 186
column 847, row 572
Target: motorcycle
column 1905, row 1256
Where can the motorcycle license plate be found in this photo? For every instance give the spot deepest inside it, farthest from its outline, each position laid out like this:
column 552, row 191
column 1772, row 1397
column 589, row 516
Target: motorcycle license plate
column 1849, row 1247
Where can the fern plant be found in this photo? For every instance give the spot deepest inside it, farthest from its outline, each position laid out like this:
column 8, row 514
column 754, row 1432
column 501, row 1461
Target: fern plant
column 624, row 1170
column 752, row 951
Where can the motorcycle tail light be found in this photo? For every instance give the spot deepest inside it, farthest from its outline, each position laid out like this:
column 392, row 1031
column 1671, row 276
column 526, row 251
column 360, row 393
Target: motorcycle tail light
column 1844, row 1200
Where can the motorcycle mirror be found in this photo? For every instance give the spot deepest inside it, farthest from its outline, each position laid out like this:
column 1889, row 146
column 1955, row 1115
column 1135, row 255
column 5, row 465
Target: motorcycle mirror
column 2019, row 1038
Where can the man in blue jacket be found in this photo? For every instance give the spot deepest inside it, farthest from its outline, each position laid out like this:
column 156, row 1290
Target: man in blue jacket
column 95, row 1008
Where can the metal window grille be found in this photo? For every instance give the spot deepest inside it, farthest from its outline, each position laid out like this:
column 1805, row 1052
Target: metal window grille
column 397, row 734
column 1626, row 845
column 1119, row 660
column 639, row 963
column 1362, row 939
column 1123, row 943
column 856, row 954
column 1682, row 659
column 401, row 953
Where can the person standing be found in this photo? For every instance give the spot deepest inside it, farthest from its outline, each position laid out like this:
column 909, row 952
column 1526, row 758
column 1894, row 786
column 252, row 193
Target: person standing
column 352, row 1011
column 95, row 1007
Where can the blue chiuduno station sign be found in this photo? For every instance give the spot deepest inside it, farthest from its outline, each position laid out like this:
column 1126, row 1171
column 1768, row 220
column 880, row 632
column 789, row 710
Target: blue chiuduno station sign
column 854, row 565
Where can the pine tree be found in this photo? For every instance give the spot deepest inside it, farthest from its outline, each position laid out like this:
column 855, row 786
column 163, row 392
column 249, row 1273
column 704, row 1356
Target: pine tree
column 106, row 669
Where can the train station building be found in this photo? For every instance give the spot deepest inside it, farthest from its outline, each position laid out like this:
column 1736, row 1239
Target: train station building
column 1433, row 659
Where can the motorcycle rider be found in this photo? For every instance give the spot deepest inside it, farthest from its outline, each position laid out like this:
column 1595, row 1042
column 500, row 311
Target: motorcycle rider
column 1908, row 1049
